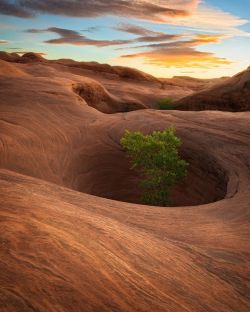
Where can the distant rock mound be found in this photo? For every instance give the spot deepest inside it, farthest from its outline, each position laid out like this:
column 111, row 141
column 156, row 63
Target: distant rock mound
column 120, row 71
column 32, row 57
column 192, row 83
column 25, row 58
column 9, row 57
column 93, row 66
column 233, row 95
column 133, row 74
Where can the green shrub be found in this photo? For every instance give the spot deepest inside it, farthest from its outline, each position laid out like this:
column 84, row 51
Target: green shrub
column 165, row 104
column 157, row 159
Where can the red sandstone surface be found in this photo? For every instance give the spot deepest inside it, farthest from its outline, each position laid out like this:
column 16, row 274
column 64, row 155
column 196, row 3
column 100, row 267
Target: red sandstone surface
column 73, row 235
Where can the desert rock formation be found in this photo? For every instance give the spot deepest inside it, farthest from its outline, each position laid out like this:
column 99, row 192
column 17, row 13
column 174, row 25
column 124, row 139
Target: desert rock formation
column 70, row 242
column 232, row 94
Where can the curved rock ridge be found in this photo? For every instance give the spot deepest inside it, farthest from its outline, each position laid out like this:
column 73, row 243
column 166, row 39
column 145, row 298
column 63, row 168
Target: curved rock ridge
column 135, row 87
column 233, row 94
column 64, row 249
column 120, row 71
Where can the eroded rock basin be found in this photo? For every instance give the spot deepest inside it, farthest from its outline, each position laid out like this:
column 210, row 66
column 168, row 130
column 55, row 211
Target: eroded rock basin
column 206, row 181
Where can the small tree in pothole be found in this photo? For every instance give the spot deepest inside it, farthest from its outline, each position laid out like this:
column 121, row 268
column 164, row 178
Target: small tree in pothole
column 157, row 158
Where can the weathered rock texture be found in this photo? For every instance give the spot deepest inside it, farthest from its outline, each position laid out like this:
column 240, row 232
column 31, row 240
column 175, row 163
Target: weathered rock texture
column 63, row 249
column 232, row 94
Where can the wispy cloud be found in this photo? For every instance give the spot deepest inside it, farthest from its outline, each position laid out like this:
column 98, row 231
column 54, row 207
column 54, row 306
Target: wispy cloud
column 14, row 9
column 158, row 38
column 135, row 30
column 153, row 10
column 72, row 37
column 195, row 41
column 146, row 35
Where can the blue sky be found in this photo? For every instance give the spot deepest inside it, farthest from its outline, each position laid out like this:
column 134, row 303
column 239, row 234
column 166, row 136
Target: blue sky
column 209, row 38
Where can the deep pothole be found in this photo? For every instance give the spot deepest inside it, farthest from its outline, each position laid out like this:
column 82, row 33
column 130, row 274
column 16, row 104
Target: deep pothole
column 112, row 178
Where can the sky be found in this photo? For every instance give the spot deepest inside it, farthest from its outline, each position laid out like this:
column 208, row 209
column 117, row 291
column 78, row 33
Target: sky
column 165, row 38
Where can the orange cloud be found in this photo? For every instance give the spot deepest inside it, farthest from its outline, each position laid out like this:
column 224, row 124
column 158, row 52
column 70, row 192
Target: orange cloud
column 204, row 39
column 182, row 53
column 181, row 58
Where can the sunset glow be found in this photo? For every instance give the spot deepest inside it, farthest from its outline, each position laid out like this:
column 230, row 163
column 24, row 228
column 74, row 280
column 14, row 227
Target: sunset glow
column 206, row 38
